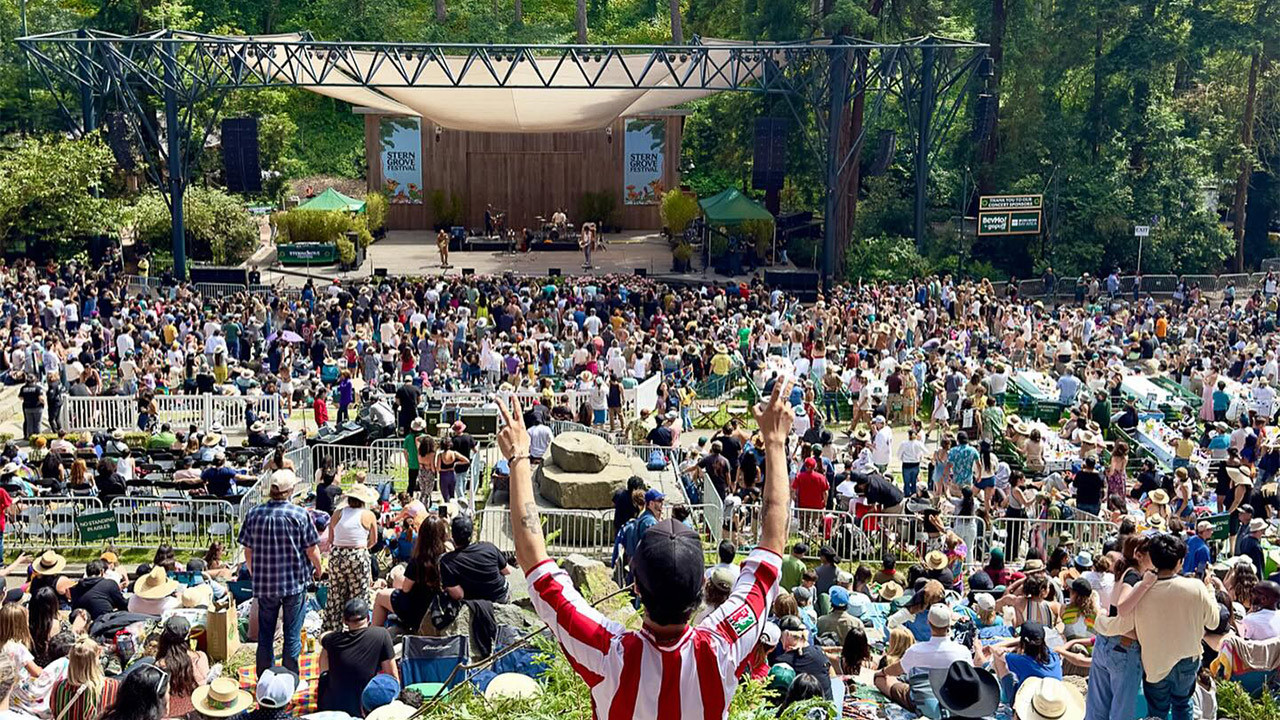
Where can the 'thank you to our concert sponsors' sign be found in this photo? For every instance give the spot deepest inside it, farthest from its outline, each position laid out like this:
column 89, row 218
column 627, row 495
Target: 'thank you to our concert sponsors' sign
column 646, row 149
column 402, row 159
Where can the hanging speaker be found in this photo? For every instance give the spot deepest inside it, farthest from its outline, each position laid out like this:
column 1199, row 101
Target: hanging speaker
column 118, row 140
column 769, row 163
column 984, row 117
column 240, row 154
column 886, row 148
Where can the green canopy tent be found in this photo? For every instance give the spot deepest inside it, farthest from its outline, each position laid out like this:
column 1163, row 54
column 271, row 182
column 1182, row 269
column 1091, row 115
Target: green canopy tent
column 331, row 200
column 731, row 207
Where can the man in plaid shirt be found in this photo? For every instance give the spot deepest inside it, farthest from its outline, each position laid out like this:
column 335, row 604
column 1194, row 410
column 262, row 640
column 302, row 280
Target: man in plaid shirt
column 281, row 550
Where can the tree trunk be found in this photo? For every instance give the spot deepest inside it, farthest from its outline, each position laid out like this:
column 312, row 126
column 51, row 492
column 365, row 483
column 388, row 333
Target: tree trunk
column 1246, row 165
column 582, row 22
column 677, row 28
column 986, row 174
column 440, row 13
column 1095, row 102
column 851, row 130
column 518, row 7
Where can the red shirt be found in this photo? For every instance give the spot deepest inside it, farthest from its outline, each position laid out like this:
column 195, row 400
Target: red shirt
column 5, row 502
column 631, row 675
column 811, row 489
column 320, row 410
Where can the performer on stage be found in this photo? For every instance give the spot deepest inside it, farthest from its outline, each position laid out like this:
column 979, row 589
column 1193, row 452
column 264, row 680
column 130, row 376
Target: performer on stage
column 560, row 221
column 588, row 243
column 442, row 244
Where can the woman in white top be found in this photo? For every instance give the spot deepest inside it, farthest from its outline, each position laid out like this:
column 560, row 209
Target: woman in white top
column 353, row 529
column 911, row 452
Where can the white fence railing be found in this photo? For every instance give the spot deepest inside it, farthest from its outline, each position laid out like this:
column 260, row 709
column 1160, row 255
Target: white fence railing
column 121, row 411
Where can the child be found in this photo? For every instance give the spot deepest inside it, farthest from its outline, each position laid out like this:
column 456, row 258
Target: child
column 888, row 571
column 320, row 410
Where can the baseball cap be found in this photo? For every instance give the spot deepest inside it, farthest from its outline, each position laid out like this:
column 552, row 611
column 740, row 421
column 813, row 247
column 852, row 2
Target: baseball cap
column 653, row 494
column 381, row 690
column 356, row 609
column 791, row 623
column 802, row 593
column 810, row 463
column 770, row 635
column 1204, row 525
column 839, row 597
column 940, row 616
column 781, row 676
column 276, row 687
column 283, row 481
column 1245, row 508
column 1032, row 632
column 108, row 557
column 722, row 579
column 984, row 602
column 668, row 568
column 177, row 626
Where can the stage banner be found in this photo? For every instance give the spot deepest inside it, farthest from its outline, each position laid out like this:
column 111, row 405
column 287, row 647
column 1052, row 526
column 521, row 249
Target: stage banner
column 646, row 149
column 402, row 159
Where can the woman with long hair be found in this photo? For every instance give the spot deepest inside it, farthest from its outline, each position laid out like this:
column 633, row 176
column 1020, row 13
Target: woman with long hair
column 855, row 653
column 85, row 693
column 1117, row 475
column 428, row 466
column 15, row 640
column 143, row 695
column 447, row 468
column 215, row 565
column 79, row 483
column 353, row 529
column 421, row 578
column 187, row 668
column 43, row 622
column 900, row 640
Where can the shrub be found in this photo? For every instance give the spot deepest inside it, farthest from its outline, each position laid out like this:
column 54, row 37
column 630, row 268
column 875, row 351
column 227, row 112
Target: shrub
column 759, row 233
column 884, row 257
column 346, row 251
column 218, row 227
column 601, row 207
column 375, row 211
column 678, row 210
column 310, row 226
column 683, row 252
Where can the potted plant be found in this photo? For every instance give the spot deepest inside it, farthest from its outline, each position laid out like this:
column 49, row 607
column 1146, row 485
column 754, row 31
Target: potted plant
column 678, row 210
column 682, row 257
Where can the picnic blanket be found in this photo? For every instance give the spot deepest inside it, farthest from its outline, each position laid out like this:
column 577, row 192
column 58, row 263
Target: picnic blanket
column 304, row 700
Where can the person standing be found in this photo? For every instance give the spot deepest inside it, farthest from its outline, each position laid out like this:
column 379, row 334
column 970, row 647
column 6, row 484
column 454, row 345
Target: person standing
column 1170, row 621
column 911, row 453
column 410, row 444
column 280, row 541
column 353, row 529
column 32, row 406
column 881, row 444
column 54, row 397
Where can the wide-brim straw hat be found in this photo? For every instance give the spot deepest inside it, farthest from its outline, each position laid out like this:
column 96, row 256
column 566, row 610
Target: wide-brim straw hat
column 1048, row 699
column 365, row 494
column 221, row 698
column 155, row 585
column 50, row 563
column 935, row 560
column 1159, row 497
column 211, row 439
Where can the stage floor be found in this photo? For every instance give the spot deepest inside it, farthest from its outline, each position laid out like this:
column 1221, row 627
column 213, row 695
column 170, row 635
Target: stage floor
column 408, row 252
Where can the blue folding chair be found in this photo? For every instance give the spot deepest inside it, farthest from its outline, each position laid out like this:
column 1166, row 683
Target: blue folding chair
column 433, row 659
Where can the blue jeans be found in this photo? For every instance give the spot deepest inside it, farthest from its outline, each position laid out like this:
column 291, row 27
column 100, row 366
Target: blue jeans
column 1114, row 679
column 1086, row 507
column 268, row 613
column 1174, row 691
column 910, row 474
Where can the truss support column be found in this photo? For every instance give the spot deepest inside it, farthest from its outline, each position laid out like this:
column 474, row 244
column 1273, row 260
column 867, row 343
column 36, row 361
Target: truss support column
column 834, row 206
column 177, row 173
column 928, row 96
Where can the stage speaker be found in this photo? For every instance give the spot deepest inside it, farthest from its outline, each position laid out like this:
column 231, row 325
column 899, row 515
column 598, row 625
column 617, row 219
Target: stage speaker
column 240, row 154
column 642, row 272
column 219, row 274
column 458, row 232
column 553, row 272
column 769, row 163
column 379, row 272
column 886, row 147
column 984, row 117
column 118, row 135
column 468, row 272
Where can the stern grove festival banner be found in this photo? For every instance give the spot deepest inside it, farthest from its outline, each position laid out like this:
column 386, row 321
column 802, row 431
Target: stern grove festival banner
column 646, row 149
column 402, row 159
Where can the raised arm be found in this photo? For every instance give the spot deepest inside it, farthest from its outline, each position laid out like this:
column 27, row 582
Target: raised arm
column 774, row 418
column 526, row 527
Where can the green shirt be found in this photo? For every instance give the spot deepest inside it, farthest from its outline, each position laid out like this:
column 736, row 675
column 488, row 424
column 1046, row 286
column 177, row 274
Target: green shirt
column 411, row 450
column 162, row 441
column 792, row 568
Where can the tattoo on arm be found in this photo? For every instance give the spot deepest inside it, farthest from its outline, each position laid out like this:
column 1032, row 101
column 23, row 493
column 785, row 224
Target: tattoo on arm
column 530, row 520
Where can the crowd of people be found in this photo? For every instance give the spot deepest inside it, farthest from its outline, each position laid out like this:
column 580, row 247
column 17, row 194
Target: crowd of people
column 1000, row 425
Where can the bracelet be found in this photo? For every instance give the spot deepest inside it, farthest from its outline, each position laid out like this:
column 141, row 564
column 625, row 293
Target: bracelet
column 521, row 457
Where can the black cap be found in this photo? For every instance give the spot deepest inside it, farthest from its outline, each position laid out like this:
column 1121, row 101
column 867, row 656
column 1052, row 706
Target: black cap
column 196, row 564
column 1032, row 632
column 669, row 564
column 980, row 581
column 177, row 626
column 792, row 623
column 356, row 609
column 1245, row 507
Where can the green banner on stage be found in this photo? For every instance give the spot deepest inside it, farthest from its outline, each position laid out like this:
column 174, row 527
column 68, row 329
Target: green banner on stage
column 97, row 526
column 307, row 253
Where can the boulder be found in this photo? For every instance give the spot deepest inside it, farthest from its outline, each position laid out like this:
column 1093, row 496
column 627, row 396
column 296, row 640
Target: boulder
column 578, row 452
column 513, row 616
column 580, row 567
column 595, row 581
column 585, row 491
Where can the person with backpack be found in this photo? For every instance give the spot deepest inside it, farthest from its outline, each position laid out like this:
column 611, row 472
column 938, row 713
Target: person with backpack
column 629, row 536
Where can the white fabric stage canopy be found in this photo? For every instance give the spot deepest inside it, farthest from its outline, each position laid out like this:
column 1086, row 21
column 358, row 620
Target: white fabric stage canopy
column 478, row 103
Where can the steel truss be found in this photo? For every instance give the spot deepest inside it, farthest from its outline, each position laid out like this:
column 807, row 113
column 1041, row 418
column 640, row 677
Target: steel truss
column 189, row 75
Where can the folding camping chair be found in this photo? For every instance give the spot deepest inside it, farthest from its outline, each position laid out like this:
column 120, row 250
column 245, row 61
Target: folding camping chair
column 434, row 660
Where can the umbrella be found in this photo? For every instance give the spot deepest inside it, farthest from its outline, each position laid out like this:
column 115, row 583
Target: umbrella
column 290, row 336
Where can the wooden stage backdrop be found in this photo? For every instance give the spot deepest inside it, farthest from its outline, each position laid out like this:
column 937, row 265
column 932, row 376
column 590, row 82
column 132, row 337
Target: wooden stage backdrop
column 526, row 174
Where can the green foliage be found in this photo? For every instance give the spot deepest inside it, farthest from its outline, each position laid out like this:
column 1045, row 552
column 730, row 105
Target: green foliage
column 884, row 257
column 46, row 190
column 446, row 209
column 311, row 226
column 759, row 233
column 678, row 210
column 346, row 250
column 375, row 211
column 682, row 252
column 218, row 228
column 1235, row 703
column 601, row 207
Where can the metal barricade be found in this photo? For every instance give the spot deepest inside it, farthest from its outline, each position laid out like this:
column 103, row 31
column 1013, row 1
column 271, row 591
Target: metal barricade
column 1017, row 535
column 185, row 523
column 100, row 413
column 48, row 522
column 215, row 290
column 230, row 410
column 587, row 532
column 382, row 463
column 836, row 528
column 560, row 426
column 712, row 508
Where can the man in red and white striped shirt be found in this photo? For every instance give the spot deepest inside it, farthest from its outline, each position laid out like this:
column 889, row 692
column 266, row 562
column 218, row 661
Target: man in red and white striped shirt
column 667, row 669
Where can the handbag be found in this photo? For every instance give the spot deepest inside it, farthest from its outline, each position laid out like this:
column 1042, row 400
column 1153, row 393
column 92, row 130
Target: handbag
column 443, row 610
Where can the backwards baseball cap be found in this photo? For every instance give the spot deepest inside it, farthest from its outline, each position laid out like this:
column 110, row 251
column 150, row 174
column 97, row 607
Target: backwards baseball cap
column 276, row 687
column 839, row 597
column 940, row 616
column 668, row 568
column 770, row 635
column 1032, row 632
column 653, row 494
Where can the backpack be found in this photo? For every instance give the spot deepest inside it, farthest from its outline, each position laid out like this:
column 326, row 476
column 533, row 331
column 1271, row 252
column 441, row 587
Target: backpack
column 629, row 537
column 656, row 461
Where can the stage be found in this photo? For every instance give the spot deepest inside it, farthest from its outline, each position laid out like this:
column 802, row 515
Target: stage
column 413, row 252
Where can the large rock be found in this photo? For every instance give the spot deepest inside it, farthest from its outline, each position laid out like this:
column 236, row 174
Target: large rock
column 595, row 581
column 580, row 568
column 584, row 491
column 578, row 452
